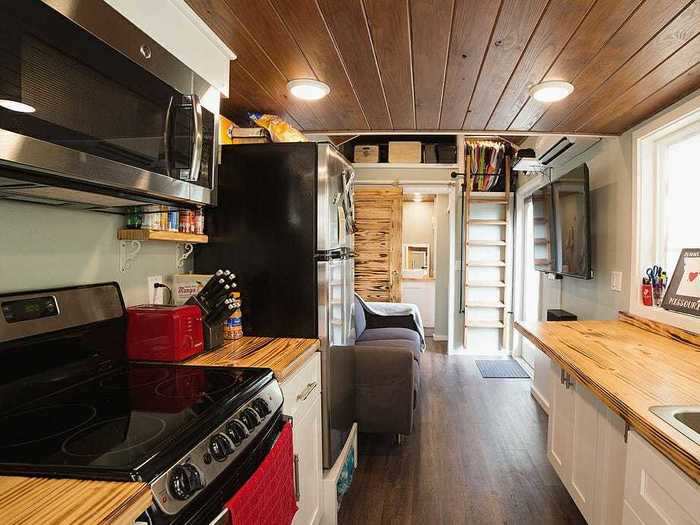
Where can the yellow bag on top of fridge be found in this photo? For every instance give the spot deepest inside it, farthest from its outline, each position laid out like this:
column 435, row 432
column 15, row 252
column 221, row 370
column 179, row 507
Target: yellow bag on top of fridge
column 279, row 129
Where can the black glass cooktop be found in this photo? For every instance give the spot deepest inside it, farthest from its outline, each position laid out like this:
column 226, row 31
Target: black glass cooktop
column 129, row 424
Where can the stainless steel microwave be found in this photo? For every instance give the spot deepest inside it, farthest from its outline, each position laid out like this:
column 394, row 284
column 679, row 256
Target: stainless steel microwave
column 90, row 105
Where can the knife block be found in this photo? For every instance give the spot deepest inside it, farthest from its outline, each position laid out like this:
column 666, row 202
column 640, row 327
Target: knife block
column 213, row 334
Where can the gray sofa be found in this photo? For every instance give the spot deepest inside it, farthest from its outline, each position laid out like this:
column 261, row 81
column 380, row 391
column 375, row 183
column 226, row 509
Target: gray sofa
column 387, row 371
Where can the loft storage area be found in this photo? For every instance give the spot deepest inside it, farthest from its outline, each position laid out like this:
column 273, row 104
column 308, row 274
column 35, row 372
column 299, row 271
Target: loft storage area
column 401, row 150
column 321, row 262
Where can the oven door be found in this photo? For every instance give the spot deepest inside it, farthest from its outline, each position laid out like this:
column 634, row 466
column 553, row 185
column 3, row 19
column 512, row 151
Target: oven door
column 93, row 114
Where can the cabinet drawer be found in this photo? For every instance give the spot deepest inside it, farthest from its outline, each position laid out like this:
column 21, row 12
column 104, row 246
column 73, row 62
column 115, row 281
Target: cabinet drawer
column 656, row 492
column 302, row 387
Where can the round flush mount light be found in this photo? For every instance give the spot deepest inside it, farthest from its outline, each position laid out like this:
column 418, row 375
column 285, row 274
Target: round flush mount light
column 13, row 105
column 551, row 90
column 308, row 89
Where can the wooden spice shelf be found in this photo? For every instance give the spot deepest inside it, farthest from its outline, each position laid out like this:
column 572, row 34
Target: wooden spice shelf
column 158, row 235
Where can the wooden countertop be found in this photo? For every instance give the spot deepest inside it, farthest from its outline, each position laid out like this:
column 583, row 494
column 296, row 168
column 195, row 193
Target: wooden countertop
column 283, row 354
column 631, row 365
column 70, row 501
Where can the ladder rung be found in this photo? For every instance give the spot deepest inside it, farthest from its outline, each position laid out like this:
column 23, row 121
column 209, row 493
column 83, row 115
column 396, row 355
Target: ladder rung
column 482, row 304
column 471, row 323
column 486, row 200
column 487, row 222
column 487, row 264
column 486, row 284
column 486, row 243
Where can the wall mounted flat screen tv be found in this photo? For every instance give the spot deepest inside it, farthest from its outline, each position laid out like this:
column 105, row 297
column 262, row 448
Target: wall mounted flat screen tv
column 562, row 225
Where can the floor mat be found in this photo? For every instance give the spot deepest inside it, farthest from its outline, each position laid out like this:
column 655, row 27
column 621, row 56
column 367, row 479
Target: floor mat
column 501, row 368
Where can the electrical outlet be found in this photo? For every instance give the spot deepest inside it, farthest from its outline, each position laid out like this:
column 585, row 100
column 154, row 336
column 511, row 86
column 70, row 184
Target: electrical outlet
column 616, row 281
column 155, row 295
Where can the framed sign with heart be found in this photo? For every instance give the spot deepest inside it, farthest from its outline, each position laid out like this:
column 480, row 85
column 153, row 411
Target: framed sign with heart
column 683, row 294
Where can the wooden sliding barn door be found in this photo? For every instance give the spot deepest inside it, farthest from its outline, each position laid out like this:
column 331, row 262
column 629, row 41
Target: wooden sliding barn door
column 378, row 213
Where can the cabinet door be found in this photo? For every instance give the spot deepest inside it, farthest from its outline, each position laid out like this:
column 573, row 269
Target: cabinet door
column 584, row 448
column 308, row 456
column 559, row 438
column 656, row 492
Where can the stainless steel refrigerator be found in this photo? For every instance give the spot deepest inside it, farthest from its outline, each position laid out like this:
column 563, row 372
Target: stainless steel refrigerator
column 284, row 225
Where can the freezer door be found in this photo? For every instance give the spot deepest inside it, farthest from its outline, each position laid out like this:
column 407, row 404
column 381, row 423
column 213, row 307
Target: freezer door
column 335, row 216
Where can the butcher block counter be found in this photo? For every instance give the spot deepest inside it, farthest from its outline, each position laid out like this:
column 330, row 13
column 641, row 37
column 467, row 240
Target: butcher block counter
column 631, row 365
column 283, row 355
column 71, row 502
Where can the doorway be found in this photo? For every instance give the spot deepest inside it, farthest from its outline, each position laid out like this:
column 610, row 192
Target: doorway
column 419, row 241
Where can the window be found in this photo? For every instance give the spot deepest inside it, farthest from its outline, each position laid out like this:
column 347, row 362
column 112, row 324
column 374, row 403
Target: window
column 666, row 200
column 679, row 195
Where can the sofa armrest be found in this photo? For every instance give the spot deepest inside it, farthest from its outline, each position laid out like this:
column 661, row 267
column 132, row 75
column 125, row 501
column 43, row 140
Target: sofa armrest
column 385, row 384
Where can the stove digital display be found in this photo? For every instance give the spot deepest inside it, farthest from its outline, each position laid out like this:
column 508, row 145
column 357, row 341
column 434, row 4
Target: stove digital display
column 28, row 309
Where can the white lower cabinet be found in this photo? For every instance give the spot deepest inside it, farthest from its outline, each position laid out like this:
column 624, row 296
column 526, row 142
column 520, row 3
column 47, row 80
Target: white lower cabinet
column 302, row 402
column 585, row 445
column 656, row 492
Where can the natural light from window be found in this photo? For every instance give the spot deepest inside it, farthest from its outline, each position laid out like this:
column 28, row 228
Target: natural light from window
column 680, row 180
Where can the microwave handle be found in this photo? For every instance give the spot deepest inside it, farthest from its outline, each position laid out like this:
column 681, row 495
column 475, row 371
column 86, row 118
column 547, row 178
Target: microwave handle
column 197, row 139
column 167, row 133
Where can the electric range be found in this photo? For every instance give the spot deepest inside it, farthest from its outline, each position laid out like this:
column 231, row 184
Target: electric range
column 72, row 406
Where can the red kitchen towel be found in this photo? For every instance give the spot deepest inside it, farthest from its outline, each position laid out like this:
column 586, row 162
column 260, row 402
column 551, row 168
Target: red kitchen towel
column 267, row 498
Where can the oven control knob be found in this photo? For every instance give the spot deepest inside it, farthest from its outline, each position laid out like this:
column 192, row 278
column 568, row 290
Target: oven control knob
column 261, row 407
column 185, row 481
column 220, row 447
column 236, row 431
column 250, row 418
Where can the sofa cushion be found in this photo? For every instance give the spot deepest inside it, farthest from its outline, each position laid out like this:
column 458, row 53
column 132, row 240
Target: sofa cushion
column 360, row 319
column 398, row 343
column 381, row 334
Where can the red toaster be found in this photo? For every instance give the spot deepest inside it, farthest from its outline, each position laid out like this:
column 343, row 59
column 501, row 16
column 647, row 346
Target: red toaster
column 164, row 333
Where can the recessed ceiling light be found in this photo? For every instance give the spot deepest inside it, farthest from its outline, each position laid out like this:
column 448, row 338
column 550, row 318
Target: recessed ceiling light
column 308, row 89
column 551, row 90
column 13, row 105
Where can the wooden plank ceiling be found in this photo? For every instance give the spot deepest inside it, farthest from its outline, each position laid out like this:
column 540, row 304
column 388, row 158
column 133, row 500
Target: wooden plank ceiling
column 459, row 64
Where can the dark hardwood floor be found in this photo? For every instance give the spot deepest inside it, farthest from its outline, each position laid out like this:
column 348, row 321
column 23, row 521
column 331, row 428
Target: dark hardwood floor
column 477, row 456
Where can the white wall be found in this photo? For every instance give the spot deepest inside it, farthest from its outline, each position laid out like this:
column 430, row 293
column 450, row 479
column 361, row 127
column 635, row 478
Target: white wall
column 46, row 247
column 417, row 226
column 442, row 264
column 609, row 164
column 610, row 169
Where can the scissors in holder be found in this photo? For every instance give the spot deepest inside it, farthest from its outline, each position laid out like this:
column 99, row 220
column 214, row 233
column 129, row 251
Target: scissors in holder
column 654, row 273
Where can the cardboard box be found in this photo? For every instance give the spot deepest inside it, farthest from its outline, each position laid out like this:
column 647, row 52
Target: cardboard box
column 405, row 152
column 366, row 153
column 185, row 285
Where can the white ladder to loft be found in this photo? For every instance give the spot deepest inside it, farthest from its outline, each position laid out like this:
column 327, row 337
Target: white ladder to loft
column 488, row 272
